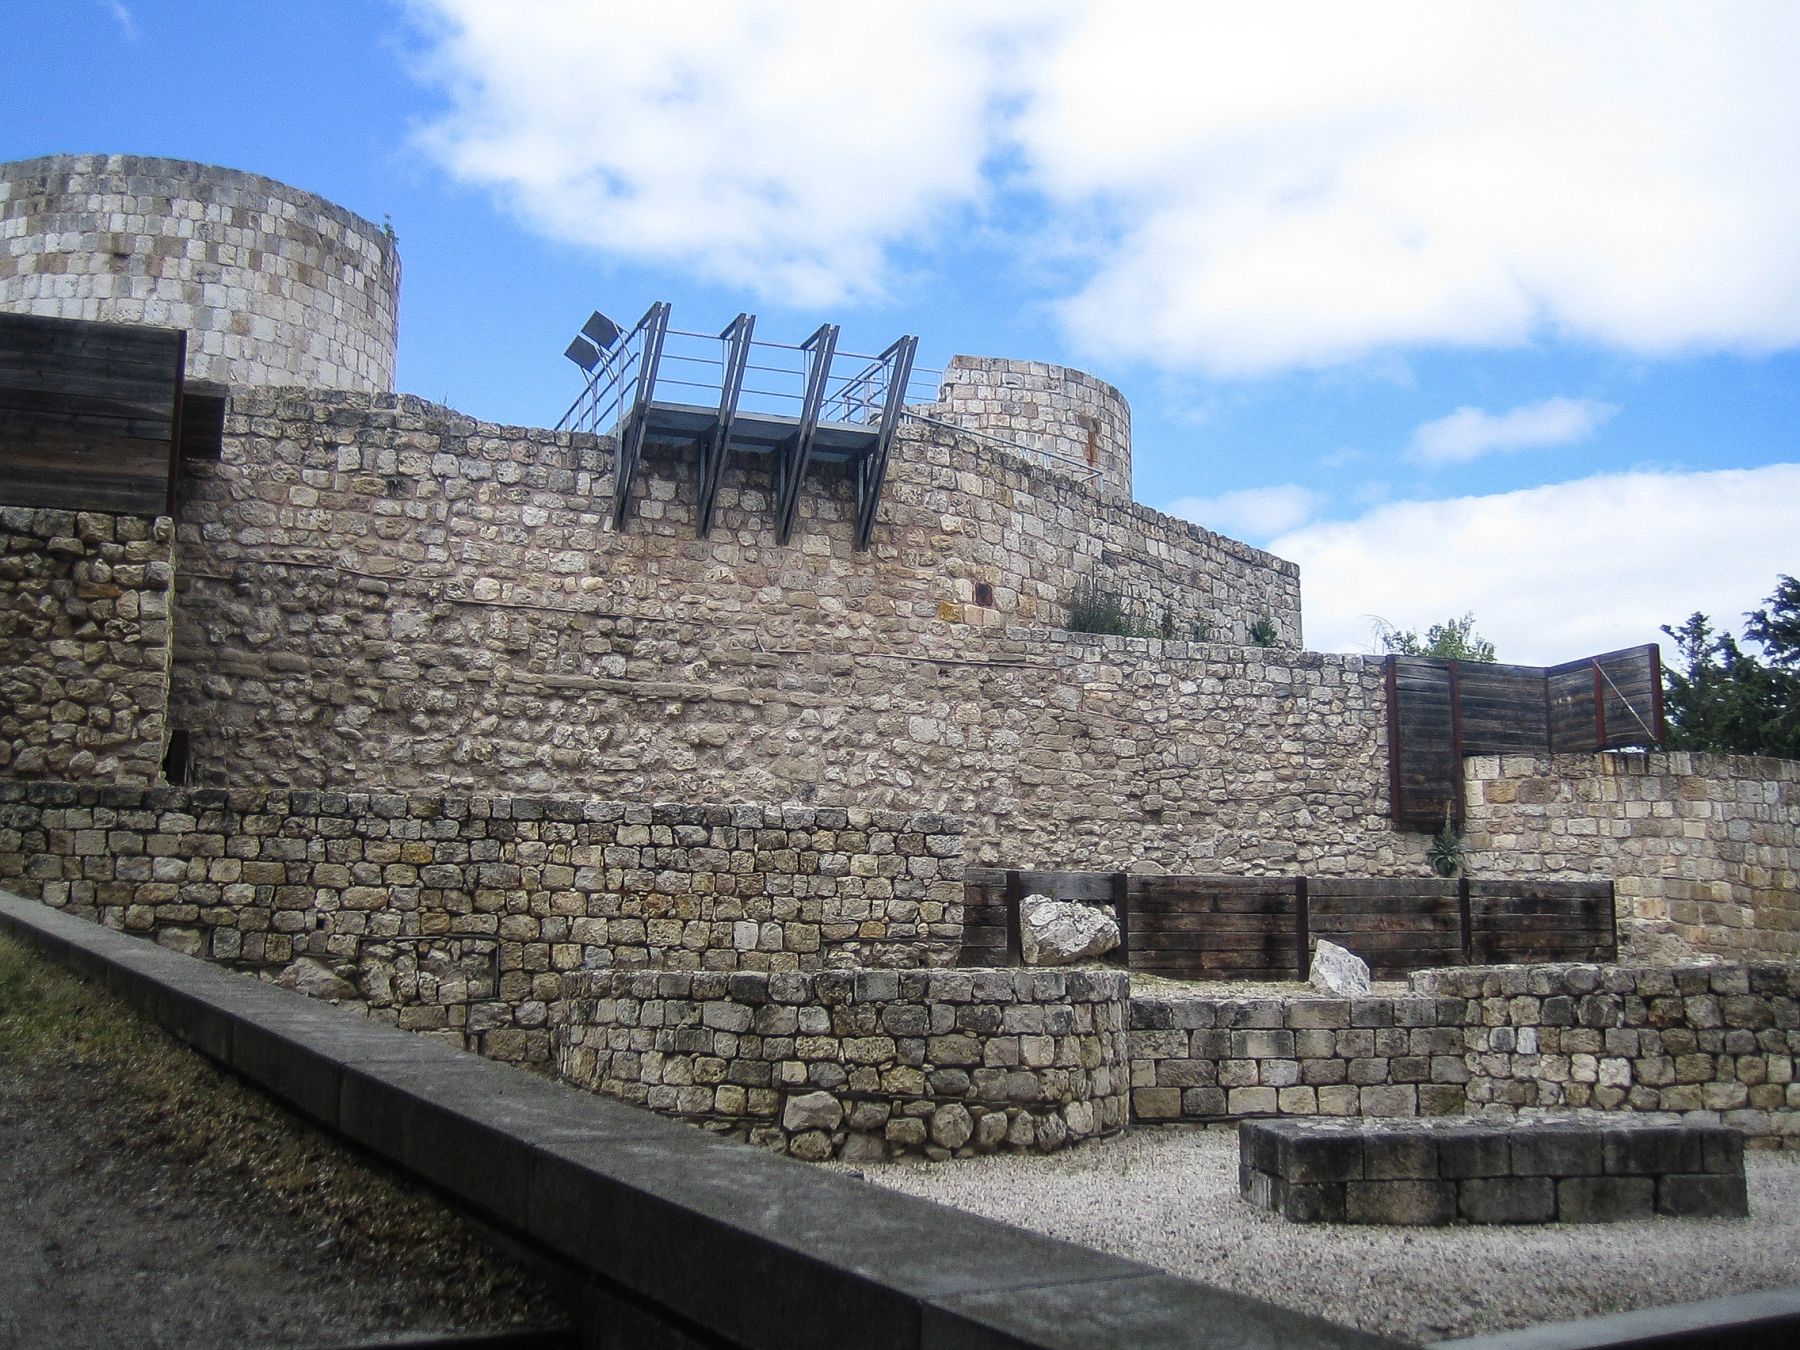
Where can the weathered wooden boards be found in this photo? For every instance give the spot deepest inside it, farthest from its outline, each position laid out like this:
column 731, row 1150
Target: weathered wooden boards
column 1440, row 711
column 90, row 414
column 1261, row 928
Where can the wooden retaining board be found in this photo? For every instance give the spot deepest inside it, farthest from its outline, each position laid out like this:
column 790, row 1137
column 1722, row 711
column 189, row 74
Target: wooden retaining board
column 1522, row 921
column 1397, row 925
column 90, row 414
column 1191, row 927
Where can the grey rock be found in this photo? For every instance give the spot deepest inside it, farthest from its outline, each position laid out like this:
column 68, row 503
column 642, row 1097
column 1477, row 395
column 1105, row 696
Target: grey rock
column 315, row 979
column 1060, row 932
column 951, row 1126
column 1338, row 971
column 812, row 1111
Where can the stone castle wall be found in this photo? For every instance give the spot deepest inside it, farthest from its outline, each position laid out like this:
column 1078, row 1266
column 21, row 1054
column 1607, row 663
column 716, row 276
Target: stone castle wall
column 274, row 285
column 863, row 1064
column 84, row 645
column 381, row 592
column 1704, row 849
column 464, row 914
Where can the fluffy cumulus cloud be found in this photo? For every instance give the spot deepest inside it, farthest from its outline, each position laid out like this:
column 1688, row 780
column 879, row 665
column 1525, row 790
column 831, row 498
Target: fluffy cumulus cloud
column 1251, row 514
column 780, row 148
column 1557, row 572
column 1248, row 188
column 1469, row 433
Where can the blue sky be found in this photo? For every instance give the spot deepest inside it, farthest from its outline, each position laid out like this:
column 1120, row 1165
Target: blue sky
column 1472, row 307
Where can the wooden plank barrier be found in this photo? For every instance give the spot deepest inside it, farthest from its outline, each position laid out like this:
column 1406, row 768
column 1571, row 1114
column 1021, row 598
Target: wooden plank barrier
column 1262, row 928
column 90, row 414
column 1441, row 710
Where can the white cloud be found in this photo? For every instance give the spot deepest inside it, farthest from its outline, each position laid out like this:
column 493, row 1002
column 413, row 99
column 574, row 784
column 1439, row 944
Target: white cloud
column 766, row 145
column 1304, row 184
column 1252, row 514
column 1239, row 189
column 1558, row 572
column 1469, row 433
column 123, row 17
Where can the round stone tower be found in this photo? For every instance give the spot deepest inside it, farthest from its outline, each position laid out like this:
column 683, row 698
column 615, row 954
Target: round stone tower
column 274, row 285
column 1084, row 422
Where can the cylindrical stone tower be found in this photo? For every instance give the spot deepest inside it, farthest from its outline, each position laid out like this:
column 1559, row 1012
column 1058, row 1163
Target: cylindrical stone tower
column 1067, row 413
column 274, row 285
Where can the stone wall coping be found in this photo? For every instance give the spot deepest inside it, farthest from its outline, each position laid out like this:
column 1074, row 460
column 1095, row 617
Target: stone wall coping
column 794, row 1256
column 190, row 173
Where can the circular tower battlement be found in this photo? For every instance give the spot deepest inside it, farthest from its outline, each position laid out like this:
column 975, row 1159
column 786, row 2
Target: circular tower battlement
column 274, row 285
column 1062, row 412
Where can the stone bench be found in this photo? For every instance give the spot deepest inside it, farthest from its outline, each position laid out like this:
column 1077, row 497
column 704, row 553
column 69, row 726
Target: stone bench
column 1584, row 1167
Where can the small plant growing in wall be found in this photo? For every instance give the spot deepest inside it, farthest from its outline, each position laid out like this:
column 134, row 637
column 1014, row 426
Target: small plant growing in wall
column 1094, row 609
column 1264, row 633
column 1446, row 851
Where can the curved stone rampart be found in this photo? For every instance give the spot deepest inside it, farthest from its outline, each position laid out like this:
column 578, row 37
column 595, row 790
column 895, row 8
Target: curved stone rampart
column 1061, row 412
column 275, row 286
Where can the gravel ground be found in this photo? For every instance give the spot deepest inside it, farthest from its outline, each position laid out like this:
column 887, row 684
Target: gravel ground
column 149, row 1199
column 1168, row 1196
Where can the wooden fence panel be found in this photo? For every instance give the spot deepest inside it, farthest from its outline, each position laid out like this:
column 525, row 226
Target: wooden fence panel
column 1524, row 921
column 89, row 414
column 1257, row 928
column 1502, row 709
column 1439, row 711
column 1425, row 766
column 1397, row 925
column 1214, row 928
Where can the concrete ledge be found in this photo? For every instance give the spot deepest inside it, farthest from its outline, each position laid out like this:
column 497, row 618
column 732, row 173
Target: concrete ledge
column 1768, row 1319
column 699, row 1233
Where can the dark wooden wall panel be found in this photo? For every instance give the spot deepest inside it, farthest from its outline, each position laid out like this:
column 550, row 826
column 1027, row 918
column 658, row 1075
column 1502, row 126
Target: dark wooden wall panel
column 1219, row 928
column 1256, row 928
column 1427, row 769
column 1522, row 921
column 1442, row 710
column 1395, row 924
column 89, row 414
column 1502, row 709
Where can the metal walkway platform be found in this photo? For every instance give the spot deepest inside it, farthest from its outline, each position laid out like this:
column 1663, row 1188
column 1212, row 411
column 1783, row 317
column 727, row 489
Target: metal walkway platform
column 729, row 394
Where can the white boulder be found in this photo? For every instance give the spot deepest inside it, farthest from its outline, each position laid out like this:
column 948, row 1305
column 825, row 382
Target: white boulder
column 1060, row 932
column 1338, row 971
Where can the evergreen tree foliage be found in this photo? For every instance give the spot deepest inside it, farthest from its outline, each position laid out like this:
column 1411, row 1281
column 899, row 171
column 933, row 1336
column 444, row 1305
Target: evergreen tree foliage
column 1455, row 639
column 1719, row 697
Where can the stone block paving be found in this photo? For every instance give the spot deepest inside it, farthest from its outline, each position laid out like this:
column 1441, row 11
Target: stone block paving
column 1580, row 1168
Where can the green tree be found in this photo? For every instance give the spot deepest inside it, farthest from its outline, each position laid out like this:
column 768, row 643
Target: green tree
column 1455, row 639
column 1719, row 697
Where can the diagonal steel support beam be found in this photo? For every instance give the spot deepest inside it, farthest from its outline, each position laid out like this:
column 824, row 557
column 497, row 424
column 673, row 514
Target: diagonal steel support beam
column 792, row 458
column 715, row 445
column 871, row 470
column 654, row 326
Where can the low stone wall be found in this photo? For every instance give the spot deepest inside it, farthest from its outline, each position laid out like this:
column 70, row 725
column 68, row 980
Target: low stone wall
column 84, row 645
column 1213, row 1058
column 1714, row 1042
column 1576, row 1168
column 1716, row 1039
column 462, row 914
column 860, row 1064
column 1704, row 850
